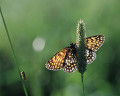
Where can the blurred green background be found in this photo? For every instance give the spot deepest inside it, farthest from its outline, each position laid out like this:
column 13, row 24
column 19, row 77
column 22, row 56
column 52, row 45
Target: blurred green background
column 36, row 27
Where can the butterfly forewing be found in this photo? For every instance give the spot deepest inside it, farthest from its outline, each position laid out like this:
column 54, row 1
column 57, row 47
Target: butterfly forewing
column 56, row 62
column 94, row 42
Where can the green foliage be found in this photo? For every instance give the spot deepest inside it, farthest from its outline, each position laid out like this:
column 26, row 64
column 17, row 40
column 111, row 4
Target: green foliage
column 56, row 21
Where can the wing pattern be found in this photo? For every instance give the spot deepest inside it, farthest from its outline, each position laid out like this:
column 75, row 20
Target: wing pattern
column 70, row 64
column 56, row 62
column 94, row 42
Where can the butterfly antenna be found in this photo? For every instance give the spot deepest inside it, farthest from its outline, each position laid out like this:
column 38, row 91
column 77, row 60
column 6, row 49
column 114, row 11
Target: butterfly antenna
column 59, row 42
column 74, row 37
column 65, row 42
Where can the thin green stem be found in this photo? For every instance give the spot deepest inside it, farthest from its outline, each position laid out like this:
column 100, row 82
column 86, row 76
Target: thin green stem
column 82, row 84
column 13, row 53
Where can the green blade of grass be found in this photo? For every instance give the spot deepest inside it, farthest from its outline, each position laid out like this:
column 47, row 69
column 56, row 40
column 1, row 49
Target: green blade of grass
column 82, row 85
column 13, row 53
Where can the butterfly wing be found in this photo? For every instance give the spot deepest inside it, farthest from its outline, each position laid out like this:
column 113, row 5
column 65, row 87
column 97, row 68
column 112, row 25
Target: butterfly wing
column 94, row 42
column 70, row 64
column 90, row 56
column 56, row 62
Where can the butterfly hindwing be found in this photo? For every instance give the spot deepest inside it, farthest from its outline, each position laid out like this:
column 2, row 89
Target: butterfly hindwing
column 70, row 64
column 56, row 62
column 94, row 42
column 90, row 56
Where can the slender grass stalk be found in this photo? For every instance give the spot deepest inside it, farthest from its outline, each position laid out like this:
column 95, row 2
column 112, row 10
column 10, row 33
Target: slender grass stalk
column 83, row 85
column 13, row 53
column 81, row 50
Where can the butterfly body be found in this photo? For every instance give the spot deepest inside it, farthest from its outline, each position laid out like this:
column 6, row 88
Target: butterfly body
column 66, row 58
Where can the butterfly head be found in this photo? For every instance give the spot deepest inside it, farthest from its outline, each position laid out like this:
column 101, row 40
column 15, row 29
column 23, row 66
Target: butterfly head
column 73, row 45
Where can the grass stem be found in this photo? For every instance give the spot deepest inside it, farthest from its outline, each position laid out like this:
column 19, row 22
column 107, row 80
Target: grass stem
column 13, row 53
column 82, row 85
column 81, row 50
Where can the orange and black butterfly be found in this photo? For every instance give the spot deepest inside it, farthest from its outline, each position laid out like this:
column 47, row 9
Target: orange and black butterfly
column 66, row 58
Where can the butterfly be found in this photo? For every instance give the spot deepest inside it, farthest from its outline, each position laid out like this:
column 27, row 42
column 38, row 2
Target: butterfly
column 66, row 58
